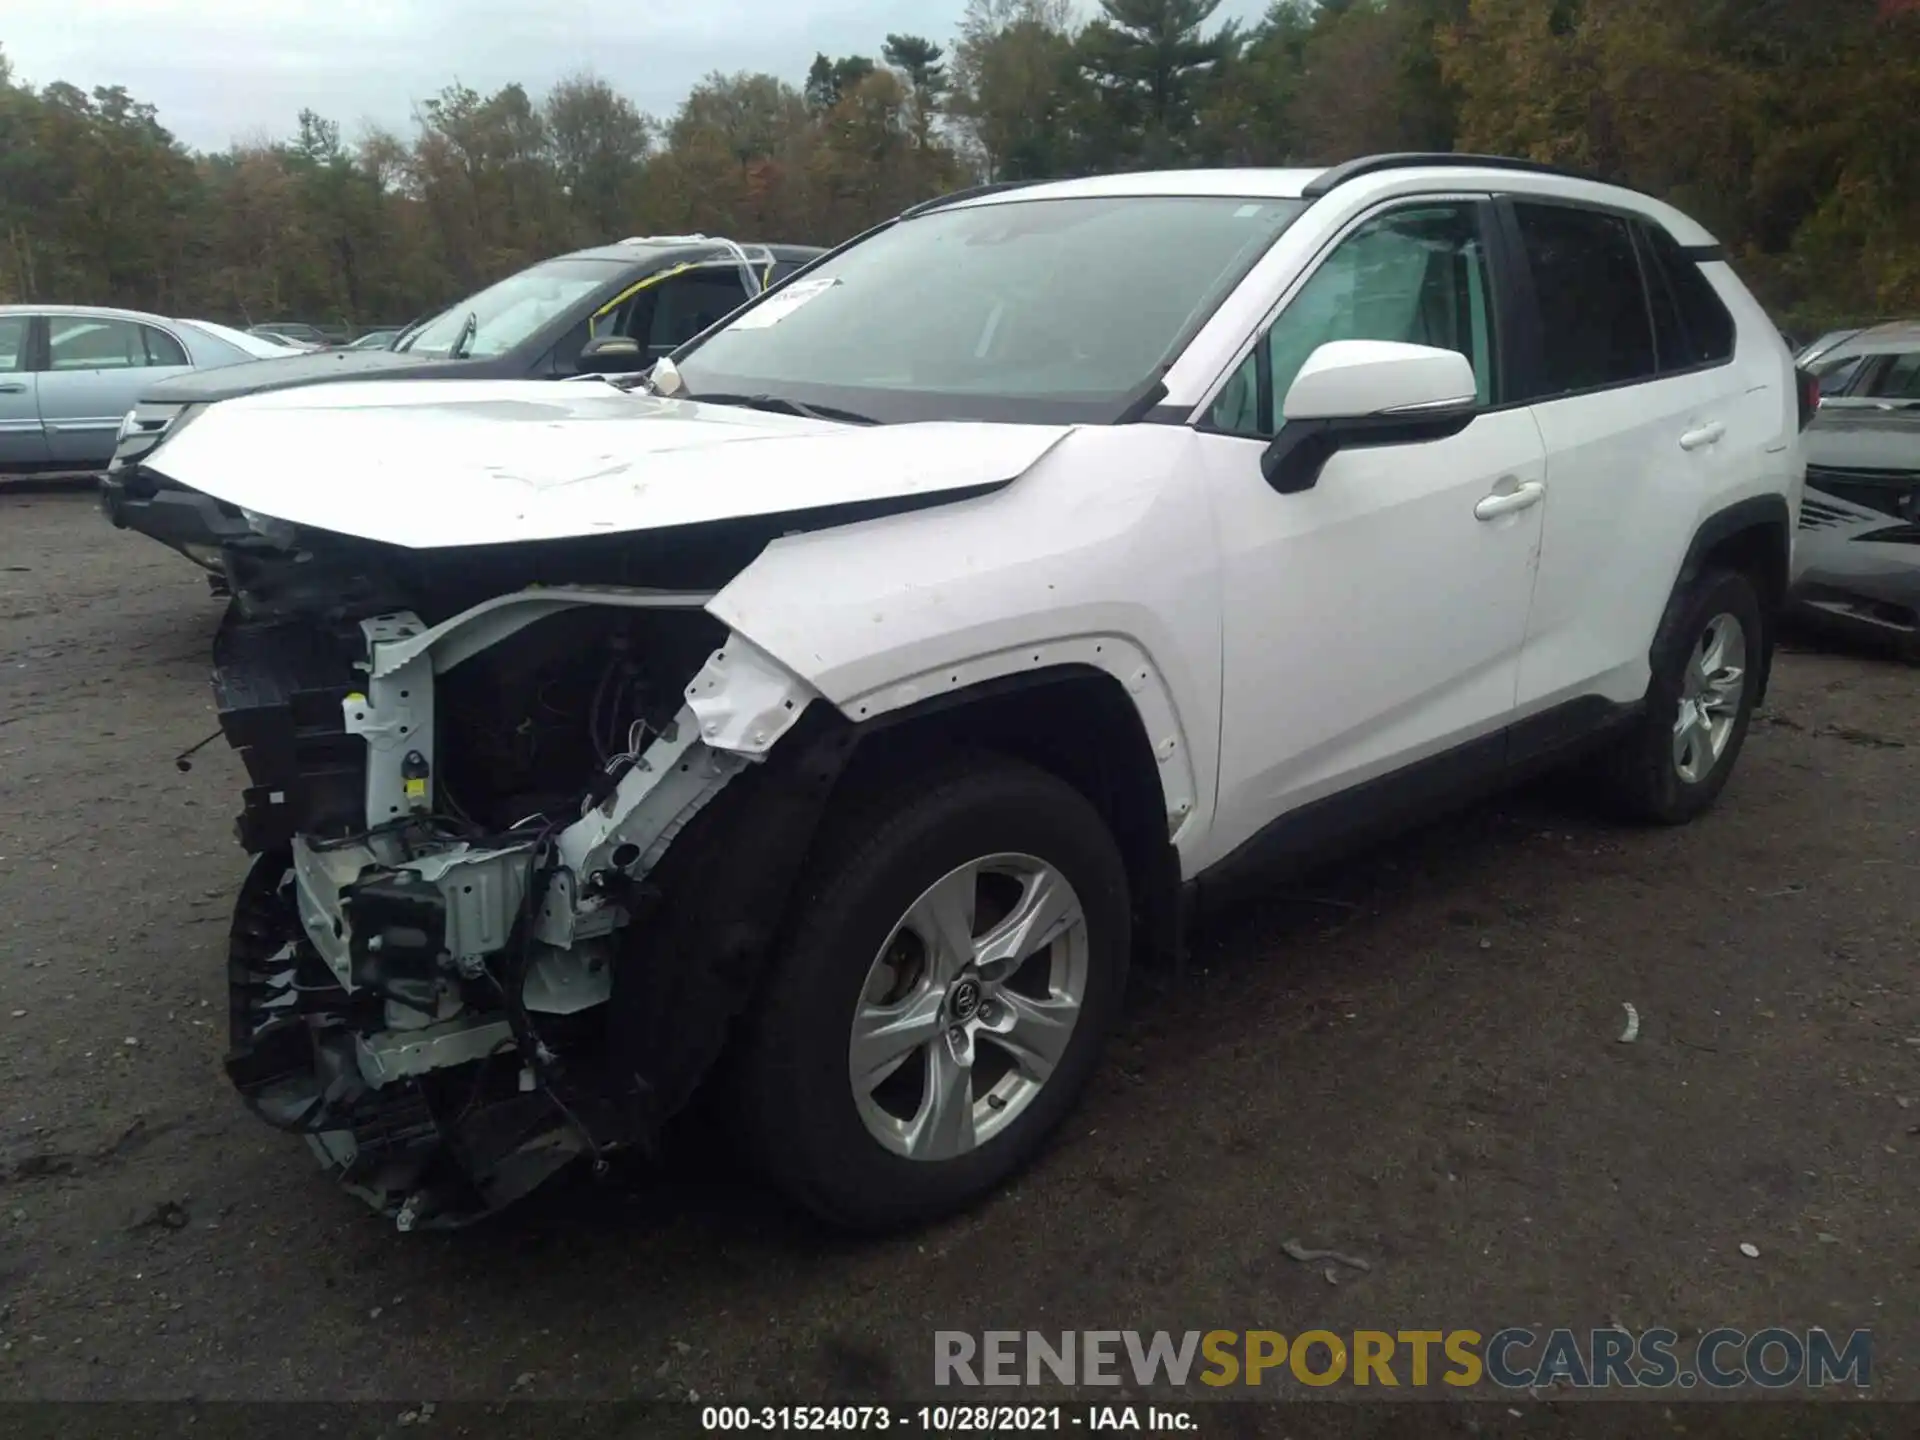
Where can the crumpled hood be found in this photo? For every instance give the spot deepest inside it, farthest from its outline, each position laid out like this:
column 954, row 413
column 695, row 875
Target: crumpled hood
column 435, row 464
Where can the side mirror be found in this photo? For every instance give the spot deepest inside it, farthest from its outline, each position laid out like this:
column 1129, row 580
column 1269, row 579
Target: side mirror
column 1354, row 393
column 613, row 355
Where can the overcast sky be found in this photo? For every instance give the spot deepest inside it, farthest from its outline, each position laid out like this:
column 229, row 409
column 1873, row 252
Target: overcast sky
column 222, row 70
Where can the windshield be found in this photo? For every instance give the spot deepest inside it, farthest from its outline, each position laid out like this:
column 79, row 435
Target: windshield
column 1835, row 372
column 1895, row 377
column 501, row 316
column 1039, row 310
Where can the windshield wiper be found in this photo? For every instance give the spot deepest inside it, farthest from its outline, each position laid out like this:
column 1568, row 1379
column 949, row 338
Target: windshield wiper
column 782, row 405
column 469, row 330
column 404, row 340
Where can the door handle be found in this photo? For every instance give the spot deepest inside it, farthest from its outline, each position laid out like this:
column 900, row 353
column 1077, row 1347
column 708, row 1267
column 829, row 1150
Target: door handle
column 13, row 389
column 1510, row 502
column 1706, row 435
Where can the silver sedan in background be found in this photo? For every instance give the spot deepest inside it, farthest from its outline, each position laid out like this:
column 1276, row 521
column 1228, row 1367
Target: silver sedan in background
column 1857, row 560
column 70, row 373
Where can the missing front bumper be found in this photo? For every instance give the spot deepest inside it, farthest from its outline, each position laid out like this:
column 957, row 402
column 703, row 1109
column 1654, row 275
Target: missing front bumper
column 428, row 1002
column 433, row 1127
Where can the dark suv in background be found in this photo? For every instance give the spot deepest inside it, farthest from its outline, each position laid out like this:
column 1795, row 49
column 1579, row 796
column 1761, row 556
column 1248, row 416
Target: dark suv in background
column 611, row 309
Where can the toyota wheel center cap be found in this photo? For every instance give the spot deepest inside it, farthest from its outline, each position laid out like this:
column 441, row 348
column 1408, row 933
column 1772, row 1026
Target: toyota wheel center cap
column 964, row 1001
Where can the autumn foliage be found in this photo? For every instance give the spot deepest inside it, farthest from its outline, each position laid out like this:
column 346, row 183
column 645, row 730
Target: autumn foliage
column 1790, row 127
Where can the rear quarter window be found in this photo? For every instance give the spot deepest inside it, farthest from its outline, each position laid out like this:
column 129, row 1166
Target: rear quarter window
column 1703, row 331
column 162, row 348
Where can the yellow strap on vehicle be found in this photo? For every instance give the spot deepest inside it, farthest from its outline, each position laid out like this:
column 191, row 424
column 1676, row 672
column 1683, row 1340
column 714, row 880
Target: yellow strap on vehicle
column 593, row 325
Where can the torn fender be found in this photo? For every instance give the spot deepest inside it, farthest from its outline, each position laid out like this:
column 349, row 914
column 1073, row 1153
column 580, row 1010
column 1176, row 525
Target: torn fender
column 477, row 462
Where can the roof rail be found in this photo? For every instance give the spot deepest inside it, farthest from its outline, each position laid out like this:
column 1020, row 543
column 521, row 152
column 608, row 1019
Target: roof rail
column 751, row 247
column 972, row 192
column 1329, row 180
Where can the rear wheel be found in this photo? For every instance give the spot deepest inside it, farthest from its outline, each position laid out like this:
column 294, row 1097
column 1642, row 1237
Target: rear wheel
column 957, row 963
column 1706, row 675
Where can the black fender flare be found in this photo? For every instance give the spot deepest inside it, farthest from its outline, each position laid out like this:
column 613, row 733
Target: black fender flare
column 705, row 920
column 1757, row 513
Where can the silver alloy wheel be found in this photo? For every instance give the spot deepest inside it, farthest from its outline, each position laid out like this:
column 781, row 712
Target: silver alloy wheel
column 1710, row 693
column 962, row 1019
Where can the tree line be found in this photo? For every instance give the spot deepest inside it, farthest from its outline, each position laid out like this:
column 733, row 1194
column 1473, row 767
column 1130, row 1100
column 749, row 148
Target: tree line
column 1790, row 127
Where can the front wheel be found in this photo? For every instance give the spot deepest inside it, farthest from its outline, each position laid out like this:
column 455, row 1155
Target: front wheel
column 959, row 957
column 1706, row 674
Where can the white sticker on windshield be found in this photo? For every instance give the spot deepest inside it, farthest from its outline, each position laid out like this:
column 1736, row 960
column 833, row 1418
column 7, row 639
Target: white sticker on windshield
column 776, row 308
column 1247, row 211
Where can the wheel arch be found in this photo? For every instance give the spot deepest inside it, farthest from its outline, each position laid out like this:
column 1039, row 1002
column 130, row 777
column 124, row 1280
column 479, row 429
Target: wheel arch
column 709, row 920
column 1078, row 722
column 1753, row 536
column 1093, row 709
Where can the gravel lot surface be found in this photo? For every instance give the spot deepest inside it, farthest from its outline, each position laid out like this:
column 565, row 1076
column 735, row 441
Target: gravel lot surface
column 1413, row 1059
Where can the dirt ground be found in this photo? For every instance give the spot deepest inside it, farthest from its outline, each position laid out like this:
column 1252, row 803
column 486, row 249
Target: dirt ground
column 1413, row 1059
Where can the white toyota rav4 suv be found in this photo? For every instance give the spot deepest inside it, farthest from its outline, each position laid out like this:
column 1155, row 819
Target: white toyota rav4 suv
column 839, row 711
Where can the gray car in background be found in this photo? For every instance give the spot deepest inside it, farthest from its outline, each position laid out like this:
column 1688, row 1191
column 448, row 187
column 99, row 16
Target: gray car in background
column 1857, row 561
column 70, row 373
column 1858, row 365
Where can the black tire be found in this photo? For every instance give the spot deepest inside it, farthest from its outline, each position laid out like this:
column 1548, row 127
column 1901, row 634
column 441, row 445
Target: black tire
column 879, row 852
column 1640, row 777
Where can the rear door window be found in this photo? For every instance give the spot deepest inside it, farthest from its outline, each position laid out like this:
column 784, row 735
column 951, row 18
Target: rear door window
column 1596, row 327
column 77, row 342
column 1670, row 339
column 14, row 330
column 83, row 342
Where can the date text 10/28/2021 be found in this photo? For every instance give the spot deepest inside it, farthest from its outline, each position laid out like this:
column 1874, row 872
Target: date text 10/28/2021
column 948, row 1419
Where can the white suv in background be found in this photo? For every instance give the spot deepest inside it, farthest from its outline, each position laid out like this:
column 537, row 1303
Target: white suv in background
column 853, row 700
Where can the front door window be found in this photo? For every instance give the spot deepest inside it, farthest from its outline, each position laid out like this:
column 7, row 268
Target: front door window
column 1417, row 275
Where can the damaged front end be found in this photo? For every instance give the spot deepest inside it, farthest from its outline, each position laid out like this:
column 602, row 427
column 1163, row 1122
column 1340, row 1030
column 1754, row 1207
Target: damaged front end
column 469, row 951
